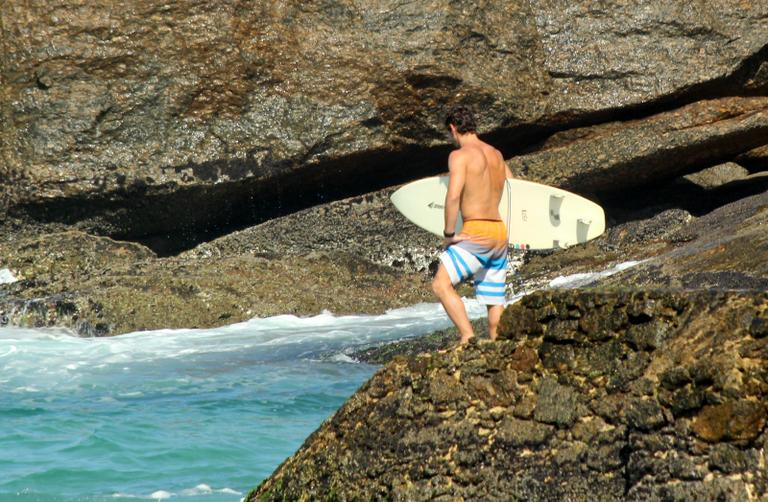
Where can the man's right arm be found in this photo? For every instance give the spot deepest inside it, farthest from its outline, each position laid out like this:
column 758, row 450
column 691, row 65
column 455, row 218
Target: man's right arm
column 457, row 175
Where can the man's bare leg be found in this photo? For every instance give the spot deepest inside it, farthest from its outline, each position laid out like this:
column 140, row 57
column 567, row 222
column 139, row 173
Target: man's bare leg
column 452, row 303
column 494, row 315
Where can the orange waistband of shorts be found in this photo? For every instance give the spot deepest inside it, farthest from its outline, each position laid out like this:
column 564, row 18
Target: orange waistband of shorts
column 488, row 229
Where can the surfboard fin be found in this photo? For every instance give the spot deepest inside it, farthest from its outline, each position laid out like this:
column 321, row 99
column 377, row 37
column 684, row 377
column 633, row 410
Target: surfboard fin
column 555, row 201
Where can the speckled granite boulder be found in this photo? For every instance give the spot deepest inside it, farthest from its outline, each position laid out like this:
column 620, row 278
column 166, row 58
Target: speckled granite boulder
column 718, row 175
column 617, row 156
column 368, row 226
column 143, row 120
column 724, row 249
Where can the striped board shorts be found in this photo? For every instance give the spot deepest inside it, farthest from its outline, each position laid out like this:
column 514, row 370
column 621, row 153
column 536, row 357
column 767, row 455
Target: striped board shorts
column 483, row 256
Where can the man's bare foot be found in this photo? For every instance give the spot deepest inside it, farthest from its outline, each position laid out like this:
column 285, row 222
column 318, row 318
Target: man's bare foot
column 465, row 340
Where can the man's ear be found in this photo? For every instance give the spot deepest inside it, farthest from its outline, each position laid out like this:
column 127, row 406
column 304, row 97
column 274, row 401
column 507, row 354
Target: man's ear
column 454, row 132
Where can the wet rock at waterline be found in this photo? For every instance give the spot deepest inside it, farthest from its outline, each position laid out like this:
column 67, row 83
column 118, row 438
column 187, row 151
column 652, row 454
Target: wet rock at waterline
column 97, row 286
column 411, row 347
column 589, row 396
column 172, row 124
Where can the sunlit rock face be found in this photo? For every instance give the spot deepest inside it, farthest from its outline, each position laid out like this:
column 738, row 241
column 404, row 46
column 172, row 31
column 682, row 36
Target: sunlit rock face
column 96, row 286
column 644, row 395
column 140, row 120
column 616, row 156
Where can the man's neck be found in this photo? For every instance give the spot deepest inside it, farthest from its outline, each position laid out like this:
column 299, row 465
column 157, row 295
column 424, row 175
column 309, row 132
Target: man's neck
column 467, row 139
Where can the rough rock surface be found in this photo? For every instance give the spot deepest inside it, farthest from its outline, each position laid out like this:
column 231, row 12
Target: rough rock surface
column 368, row 226
column 724, row 249
column 97, row 286
column 174, row 122
column 719, row 175
column 755, row 160
column 589, row 396
column 613, row 157
column 439, row 340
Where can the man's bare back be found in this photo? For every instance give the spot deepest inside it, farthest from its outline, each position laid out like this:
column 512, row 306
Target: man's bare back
column 484, row 172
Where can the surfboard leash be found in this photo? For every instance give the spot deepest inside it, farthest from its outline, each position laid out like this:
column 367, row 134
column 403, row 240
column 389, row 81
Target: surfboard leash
column 509, row 208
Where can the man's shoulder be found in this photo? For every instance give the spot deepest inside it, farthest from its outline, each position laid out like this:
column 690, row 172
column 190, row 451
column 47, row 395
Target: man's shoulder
column 470, row 152
column 460, row 153
column 491, row 151
column 490, row 147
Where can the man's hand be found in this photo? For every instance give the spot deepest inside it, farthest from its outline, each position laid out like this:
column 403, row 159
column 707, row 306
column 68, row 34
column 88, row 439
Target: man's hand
column 448, row 241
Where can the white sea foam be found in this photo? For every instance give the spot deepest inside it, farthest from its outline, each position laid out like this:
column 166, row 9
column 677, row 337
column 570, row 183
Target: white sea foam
column 342, row 358
column 6, row 276
column 584, row 279
column 201, row 489
column 37, row 360
column 48, row 359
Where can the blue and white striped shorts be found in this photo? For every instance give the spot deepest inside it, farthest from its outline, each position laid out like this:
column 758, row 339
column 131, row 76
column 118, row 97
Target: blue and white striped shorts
column 488, row 266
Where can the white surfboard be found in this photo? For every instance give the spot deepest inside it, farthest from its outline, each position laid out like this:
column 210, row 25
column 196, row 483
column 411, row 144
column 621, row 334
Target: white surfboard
column 537, row 216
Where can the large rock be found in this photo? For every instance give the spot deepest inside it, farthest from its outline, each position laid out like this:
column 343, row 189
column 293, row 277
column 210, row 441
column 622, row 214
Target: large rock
column 613, row 157
column 587, row 396
column 724, row 249
column 142, row 120
column 368, row 226
column 98, row 286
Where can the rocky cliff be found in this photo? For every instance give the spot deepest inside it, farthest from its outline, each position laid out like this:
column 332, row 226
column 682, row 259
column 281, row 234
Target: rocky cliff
column 588, row 396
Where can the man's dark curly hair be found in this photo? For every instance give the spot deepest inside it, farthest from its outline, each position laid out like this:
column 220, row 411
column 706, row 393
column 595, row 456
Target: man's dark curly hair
column 462, row 117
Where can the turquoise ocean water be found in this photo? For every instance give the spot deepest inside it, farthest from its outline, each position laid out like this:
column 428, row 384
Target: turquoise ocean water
column 177, row 414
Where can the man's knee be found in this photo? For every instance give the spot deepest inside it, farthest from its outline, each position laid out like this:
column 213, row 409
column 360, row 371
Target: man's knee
column 437, row 286
column 440, row 285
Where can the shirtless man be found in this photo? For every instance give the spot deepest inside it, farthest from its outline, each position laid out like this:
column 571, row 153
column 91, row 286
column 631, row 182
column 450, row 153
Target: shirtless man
column 476, row 179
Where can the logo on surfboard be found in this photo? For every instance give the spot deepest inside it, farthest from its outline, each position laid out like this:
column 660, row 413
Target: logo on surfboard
column 434, row 205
